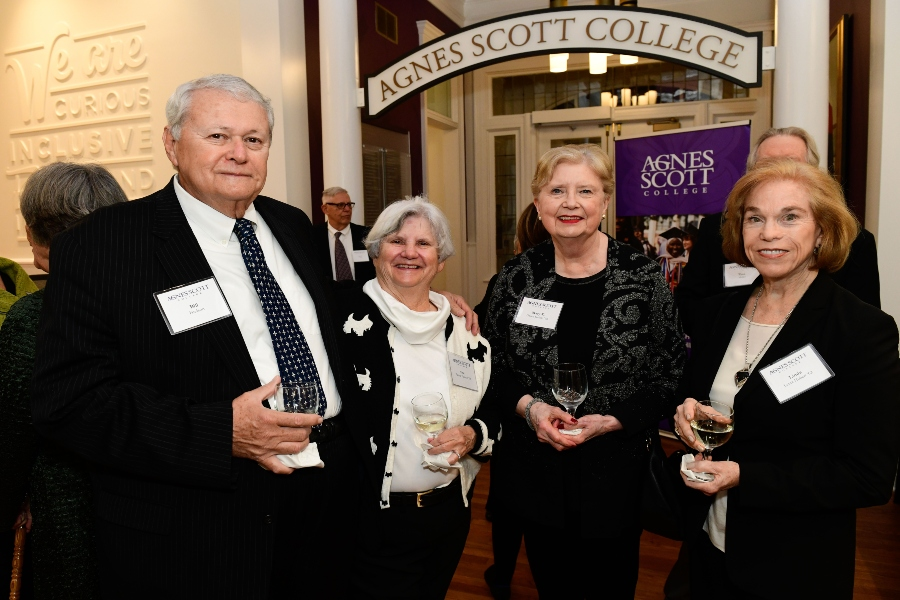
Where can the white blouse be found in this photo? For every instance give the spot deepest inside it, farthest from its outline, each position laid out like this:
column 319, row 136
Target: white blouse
column 724, row 390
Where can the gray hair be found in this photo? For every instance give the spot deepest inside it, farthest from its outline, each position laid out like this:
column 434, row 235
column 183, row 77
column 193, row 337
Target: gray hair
column 332, row 192
column 392, row 218
column 179, row 102
column 812, row 153
column 60, row 194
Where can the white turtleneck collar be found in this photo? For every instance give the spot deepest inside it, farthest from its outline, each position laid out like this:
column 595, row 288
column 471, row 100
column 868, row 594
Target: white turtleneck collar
column 415, row 327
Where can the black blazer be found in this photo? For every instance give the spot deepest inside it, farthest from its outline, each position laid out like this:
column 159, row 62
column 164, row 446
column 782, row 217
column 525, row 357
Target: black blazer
column 808, row 464
column 702, row 276
column 151, row 411
column 364, row 270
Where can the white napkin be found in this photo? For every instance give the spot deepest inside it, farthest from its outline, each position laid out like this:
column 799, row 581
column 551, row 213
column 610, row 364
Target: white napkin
column 309, row 457
column 438, row 462
column 694, row 476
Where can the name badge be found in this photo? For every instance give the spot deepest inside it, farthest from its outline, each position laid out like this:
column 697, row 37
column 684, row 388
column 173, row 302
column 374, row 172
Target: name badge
column 189, row 306
column 462, row 372
column 360, row 256
column 539, row 313
column 734, row 275
column 797, row 372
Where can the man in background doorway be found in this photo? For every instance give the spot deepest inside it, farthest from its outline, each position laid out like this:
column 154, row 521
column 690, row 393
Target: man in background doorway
column 340, row 242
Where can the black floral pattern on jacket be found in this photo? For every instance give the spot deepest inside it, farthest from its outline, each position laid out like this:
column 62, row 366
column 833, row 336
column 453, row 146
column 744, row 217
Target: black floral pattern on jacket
column 638, row 362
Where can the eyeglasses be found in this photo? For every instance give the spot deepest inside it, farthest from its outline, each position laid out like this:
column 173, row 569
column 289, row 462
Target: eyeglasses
column 341, row 205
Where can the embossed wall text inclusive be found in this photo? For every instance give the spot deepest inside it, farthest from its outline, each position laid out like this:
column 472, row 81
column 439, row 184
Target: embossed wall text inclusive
column 82, row 96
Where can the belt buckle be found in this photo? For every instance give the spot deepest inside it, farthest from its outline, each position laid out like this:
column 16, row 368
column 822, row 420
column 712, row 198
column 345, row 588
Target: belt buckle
column 419, row 496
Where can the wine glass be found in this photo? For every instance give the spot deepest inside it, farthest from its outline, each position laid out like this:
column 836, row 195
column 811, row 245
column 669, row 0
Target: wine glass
column 297, row 398
column 713, row 424
column 430, row 413
column 570, row 388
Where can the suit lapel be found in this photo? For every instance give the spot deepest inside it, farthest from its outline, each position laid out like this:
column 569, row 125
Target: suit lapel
column 796, row 331
column 183, row 260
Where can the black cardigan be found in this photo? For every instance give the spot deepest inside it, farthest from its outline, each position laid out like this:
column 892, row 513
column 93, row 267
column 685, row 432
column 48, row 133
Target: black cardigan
column 638, row 361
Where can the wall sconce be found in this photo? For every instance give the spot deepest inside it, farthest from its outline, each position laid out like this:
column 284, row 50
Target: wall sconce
column 559, row 62
column 627, row 59
column 598, row 63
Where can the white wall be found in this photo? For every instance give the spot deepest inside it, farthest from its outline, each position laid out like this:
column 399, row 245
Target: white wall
column 87, row 80
column 883, row 181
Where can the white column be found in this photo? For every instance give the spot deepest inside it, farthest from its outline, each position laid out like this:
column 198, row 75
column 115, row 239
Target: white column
column 883, row 177
column 801, row 68
column 341, row 130
column 261, row 65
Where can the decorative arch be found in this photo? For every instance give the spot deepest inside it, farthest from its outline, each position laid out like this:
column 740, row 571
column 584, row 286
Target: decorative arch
column 712, row 47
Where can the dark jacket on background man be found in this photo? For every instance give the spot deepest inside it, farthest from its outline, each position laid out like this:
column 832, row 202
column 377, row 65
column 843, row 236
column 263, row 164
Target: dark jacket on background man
column 364, row 270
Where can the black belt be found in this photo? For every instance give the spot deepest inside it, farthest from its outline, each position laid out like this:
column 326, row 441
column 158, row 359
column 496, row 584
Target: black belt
column 429, row 498
column 328, row 430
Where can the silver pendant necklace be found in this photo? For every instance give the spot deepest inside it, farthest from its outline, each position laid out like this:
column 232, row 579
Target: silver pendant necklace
column 741, row 377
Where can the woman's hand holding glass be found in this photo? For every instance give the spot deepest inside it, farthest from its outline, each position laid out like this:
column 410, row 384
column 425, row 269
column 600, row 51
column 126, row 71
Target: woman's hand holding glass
column 457, row 440
column 430, row 414
column 725, row 474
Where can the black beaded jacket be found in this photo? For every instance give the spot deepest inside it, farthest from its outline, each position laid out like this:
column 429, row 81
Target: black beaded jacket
column 637, row 364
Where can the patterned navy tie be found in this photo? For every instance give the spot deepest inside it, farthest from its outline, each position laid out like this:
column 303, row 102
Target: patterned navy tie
column 295, row 361
column 342, row 270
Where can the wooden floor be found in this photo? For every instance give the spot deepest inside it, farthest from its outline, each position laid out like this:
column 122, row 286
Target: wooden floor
column 877, row 555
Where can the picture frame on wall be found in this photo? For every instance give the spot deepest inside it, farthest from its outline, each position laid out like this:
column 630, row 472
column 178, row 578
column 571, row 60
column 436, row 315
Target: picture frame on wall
column 839, row 81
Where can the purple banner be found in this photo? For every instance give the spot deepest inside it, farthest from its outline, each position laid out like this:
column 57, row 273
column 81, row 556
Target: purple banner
column 680, row 172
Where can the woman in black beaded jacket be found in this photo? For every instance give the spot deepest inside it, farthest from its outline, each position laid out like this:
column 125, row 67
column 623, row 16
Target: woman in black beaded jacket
column 617, row 318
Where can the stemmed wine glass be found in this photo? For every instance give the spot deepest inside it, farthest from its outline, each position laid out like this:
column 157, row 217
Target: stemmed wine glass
column 713, row 424
column 570, row 388
column 430, row 413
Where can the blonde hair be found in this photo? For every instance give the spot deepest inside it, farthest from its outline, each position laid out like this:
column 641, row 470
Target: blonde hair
column 826, row 201
column 591, row 155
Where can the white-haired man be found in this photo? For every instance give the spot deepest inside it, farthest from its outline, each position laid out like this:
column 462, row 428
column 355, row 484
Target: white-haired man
column 169, row 323
column 339, row 242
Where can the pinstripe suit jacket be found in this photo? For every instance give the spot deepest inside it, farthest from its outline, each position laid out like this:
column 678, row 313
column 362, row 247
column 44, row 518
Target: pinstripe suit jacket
column 152, row 411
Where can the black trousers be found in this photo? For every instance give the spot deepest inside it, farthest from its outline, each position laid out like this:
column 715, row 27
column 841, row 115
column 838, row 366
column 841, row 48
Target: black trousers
column 316, row 530
column 409, row 552
column 566, row 566
column 709, row 573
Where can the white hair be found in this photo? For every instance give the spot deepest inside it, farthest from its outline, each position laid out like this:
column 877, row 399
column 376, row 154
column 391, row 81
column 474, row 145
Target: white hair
column 391, row 220
column 179, row 102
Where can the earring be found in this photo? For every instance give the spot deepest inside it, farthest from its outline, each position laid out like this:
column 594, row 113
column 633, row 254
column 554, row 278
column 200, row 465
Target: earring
column 539, row 217
column 816, row 251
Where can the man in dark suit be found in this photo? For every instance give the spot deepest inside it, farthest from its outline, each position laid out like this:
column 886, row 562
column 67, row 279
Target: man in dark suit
column 703, row 275
column 200, row 489
column 340, row 242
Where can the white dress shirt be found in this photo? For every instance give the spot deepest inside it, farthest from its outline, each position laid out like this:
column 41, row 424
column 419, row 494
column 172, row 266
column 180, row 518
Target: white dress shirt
column 215, row 234
column 347, row 241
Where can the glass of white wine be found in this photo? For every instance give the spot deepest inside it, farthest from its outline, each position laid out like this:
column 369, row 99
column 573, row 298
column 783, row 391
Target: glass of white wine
column 430, row 413
column 713, row 424
column 570, row 388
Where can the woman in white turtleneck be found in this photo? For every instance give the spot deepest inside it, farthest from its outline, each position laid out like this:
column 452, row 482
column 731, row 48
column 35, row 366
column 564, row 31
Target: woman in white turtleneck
column 403, row 341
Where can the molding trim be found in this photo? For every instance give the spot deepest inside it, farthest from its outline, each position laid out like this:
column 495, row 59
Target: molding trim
column 455, row 10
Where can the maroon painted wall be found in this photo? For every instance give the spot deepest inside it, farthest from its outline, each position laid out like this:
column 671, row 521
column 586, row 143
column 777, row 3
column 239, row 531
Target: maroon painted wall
column 374, row 53
column 858, row 127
